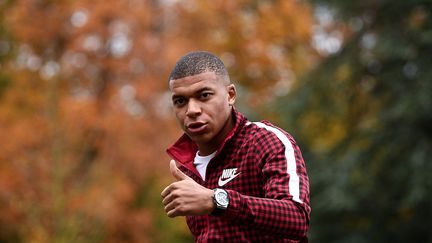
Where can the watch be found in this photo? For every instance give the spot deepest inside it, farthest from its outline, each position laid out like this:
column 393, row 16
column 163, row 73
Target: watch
column 221, row 201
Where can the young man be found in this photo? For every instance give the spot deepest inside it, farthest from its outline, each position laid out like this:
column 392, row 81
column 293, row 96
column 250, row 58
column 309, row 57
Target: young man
column 237, row 181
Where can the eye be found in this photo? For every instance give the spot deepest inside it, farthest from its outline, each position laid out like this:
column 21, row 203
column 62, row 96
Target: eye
column 179, row 102
column 205, row 95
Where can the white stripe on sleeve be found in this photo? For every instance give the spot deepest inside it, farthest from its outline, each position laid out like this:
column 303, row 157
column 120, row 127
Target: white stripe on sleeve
column 294, row 182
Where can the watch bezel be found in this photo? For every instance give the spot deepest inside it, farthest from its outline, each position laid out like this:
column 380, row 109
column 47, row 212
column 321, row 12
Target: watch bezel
column 220, row 204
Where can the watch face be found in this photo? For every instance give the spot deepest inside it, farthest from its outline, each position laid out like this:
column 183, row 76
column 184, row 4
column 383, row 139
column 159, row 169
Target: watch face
column 222, row 198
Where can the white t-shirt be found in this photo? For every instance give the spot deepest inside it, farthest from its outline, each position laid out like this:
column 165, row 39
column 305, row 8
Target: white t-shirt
column 201, row 163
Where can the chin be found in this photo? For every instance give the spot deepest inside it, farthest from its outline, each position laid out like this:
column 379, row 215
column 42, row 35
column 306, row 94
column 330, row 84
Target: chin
column 205, row 138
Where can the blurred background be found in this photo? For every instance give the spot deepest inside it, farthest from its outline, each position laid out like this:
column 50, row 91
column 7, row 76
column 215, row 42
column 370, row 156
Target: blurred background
column 85, row 115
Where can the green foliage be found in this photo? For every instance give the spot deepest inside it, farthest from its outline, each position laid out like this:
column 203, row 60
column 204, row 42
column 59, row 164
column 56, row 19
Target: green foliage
column 173, row 230
column 363, row 118
column 4, row 83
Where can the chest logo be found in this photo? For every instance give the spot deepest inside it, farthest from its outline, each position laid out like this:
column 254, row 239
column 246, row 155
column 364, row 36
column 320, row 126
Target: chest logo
column 227, row 176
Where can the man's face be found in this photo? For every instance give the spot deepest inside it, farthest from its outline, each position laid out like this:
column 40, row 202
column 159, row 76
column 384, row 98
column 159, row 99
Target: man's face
column 202, row 104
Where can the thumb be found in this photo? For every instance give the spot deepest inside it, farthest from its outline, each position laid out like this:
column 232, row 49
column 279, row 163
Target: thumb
column 177, row 173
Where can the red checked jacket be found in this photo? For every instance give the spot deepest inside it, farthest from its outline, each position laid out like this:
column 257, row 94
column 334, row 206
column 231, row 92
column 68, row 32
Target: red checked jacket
column 263, row 171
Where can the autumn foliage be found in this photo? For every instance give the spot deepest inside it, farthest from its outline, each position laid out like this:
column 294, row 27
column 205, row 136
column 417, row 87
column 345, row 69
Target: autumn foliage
column 85, row 114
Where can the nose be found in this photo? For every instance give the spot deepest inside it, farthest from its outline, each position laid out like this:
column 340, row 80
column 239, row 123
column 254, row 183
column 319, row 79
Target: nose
column 193, row 108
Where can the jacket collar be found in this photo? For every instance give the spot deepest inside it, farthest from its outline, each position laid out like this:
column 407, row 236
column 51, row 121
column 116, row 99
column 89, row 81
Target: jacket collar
column 184, row 149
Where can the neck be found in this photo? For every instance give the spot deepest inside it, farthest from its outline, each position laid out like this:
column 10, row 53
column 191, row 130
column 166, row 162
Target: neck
column 204, row 154
column 206, row 149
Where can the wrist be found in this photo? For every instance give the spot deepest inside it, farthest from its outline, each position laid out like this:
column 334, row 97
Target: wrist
column 212, row 205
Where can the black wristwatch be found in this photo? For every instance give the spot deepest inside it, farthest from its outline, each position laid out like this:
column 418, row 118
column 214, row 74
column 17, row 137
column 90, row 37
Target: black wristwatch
column 221, row 201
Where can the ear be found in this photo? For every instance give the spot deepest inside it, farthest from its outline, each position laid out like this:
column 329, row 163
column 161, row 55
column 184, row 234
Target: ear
column 232, row 94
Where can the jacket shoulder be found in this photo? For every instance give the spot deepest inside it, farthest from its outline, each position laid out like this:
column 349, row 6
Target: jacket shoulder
column 265, row 133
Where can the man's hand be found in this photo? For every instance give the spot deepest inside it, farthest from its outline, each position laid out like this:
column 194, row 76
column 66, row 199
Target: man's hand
column 185, row 197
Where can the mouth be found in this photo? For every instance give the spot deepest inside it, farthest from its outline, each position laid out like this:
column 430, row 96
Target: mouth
column 196, row 128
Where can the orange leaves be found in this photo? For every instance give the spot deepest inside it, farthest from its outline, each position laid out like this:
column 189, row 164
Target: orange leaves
column 86, row 117
column 40, row 24
column 284, row 21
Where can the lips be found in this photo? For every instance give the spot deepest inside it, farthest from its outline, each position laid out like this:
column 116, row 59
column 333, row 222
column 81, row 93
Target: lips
column 196, row 128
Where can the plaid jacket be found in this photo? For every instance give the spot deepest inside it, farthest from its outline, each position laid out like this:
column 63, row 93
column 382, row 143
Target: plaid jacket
column 263, row 171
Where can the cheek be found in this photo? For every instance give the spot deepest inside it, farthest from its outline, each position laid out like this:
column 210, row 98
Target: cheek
column 179, row 116
column 221, row 111
column 224, row 106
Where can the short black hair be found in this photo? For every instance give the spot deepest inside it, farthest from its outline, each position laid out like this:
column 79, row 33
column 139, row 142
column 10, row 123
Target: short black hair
column 198, row 62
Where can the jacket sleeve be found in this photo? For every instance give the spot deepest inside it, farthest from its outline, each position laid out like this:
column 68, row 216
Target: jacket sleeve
column 284, row 209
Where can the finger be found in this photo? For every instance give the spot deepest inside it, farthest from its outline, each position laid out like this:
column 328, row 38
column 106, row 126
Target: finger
column 166, row 191
column 171, row 209
column 167, row 199
column 174, row 212
column 170, row 206
column 177, row 173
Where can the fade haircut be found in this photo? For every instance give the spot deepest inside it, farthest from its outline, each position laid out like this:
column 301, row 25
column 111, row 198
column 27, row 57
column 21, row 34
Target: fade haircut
column 198, row 62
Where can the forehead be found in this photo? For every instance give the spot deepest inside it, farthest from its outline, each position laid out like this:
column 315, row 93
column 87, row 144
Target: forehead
column 206, row 78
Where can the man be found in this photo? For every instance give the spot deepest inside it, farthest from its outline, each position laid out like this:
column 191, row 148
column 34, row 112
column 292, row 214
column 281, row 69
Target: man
column 237, row 181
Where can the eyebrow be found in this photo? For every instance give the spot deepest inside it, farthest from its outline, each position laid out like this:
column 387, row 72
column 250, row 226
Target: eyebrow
column 196, row 92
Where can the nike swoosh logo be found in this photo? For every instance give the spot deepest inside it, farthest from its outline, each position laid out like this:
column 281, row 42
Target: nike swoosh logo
column 222, row 182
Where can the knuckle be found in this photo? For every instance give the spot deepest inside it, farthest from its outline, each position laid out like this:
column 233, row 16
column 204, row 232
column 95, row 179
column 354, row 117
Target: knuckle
column 182, row 208
column 175, row 194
